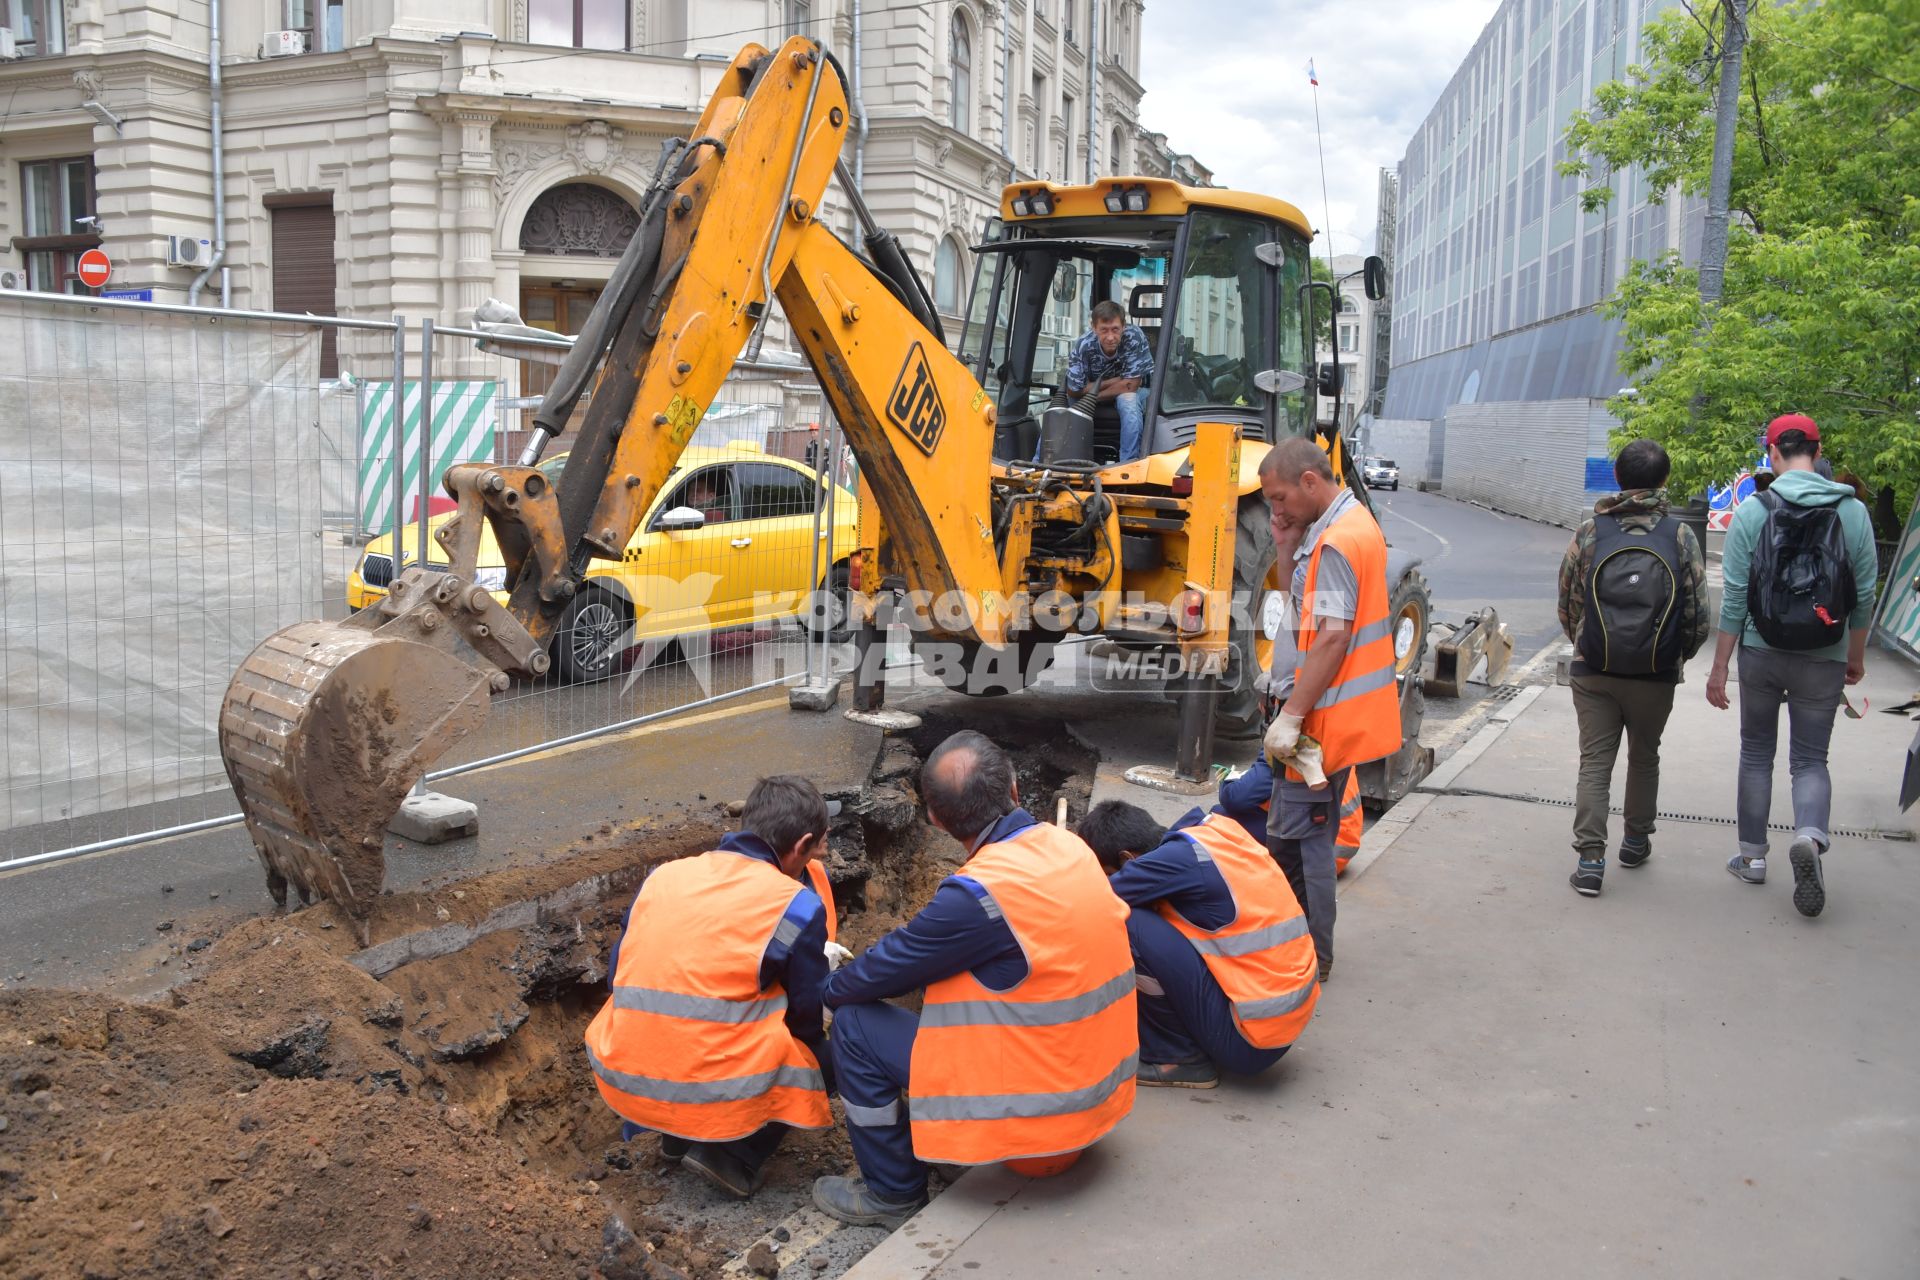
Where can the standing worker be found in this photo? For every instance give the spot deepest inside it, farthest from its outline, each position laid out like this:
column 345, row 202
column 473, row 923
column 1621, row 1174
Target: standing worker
column 1223, row 963
column 1026, row 1045
column 1799, row 574
column 1343, row 696
column 714, row 1036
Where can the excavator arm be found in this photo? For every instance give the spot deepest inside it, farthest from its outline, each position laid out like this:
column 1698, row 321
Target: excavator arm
column 327, row 726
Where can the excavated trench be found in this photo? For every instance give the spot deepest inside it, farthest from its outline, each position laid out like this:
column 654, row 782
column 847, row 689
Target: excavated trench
column 422, row 1107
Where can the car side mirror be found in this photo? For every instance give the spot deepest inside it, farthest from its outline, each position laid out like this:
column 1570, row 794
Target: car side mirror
column 681, row 519
column 1374, row 275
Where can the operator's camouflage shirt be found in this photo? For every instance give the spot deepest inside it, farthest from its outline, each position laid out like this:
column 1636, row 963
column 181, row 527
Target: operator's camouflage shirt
column 1638, row 510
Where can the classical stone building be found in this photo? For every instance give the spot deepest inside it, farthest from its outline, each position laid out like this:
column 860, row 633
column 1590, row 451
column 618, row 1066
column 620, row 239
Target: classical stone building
column 401, row 156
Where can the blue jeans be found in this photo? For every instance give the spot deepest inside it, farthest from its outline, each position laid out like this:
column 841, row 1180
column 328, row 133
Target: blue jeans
column 873, row 1055
column 1811, row 688
column 1133, row 421
column 1184, row 1015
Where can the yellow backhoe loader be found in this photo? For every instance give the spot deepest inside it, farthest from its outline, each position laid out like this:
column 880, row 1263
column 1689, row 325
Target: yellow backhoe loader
column 996, row 515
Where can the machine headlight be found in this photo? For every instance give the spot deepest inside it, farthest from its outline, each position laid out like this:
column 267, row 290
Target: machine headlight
column 1019, row 206
column 1136, row 200
column 1116, row 201
column 494, row 579
column 1041, row 203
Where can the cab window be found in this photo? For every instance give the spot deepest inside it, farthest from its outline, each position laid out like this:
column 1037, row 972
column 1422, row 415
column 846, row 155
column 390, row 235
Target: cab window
column 768, row 490
column 709, row 491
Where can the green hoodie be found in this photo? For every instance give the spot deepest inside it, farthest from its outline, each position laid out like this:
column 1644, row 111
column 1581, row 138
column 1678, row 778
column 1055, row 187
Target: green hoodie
column 1802, row 489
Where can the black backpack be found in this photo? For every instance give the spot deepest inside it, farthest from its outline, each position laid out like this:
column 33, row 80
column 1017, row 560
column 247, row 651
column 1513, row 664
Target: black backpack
column 1801, row 587
column 1632, row 621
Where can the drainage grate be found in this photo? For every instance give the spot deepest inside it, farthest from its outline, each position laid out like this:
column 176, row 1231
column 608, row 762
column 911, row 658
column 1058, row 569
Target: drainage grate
column 1503, row 692
column 1669, row 815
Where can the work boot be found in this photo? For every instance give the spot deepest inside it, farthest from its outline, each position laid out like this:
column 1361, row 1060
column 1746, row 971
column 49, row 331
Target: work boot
column 1809, row 886
column 1752, row 870
column 1178, row 1075
column 722, row 1168
column 853, row 1202
column 1587, row 875
column 1326, row 969
column 673, row 1150
column 1635, row 850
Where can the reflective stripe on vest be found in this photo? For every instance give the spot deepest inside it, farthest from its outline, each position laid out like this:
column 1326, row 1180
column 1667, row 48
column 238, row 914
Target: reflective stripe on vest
column 817, row 880
column 1357, row 718
column 1048, row 1066
column 690, row 1044
column 1353, row 824
column 1264, row 960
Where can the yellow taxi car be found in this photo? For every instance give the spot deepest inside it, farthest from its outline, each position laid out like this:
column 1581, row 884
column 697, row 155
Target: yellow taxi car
column 728, row 542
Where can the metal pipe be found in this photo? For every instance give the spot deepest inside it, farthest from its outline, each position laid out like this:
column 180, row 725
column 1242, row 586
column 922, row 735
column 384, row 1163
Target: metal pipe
column 1093, row 88
column 216, row 92
column 396, row 445
column 859, row 105
column 180, row 309
column 426, row 438
column 780, row 212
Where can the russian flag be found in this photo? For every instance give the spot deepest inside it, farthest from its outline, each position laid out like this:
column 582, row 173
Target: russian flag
column 1312, row 77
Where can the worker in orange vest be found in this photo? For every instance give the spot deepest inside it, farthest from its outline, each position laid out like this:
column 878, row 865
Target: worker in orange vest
column 1026, row 1044
column 1225, row 969
column 1342, row 695
column 1248, row 800
column 715, row 1036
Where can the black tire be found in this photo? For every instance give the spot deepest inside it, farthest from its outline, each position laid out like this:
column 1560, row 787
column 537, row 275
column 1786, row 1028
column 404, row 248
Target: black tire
column 595, row 631
column 983, row 671
column 1238, row 716
column 835, row 596
column 1410, row 606
column 1396, row 486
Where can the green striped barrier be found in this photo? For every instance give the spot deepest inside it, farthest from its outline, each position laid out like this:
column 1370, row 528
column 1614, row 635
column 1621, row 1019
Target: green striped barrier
column 466, row 420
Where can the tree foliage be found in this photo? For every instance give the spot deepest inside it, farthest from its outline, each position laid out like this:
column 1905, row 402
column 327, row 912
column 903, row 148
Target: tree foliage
column 1821, row 312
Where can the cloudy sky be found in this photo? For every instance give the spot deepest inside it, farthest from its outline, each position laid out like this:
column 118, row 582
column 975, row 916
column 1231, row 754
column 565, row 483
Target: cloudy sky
column 1227, row 83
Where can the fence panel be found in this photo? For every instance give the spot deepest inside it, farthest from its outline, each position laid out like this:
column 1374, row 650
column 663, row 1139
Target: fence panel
column 174, row 485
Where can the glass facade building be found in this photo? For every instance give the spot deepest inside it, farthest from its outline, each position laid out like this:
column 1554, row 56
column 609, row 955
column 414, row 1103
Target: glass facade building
column 1498, row 273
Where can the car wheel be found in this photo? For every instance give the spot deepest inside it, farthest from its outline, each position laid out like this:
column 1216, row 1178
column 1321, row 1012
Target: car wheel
column 594, row 632
column 828, row 612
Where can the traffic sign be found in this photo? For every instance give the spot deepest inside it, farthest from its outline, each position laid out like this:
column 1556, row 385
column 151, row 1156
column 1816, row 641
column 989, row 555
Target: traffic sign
column 95, row 267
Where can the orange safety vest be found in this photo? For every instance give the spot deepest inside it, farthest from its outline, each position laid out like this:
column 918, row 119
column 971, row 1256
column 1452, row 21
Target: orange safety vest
column 1048, row 1066
column 1353, row 825
column 1357, row 719
column 1264, row 961
column 818, row 882
column 690, row 1044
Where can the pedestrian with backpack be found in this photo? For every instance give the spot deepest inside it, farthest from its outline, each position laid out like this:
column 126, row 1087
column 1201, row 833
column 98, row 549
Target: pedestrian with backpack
column 1799, row 570
column 1633, row 599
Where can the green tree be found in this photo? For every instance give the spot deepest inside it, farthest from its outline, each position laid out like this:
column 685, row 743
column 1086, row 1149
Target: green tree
column 1821, row 309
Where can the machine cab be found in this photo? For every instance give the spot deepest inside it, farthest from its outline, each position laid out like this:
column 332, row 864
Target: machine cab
column 1211, row 278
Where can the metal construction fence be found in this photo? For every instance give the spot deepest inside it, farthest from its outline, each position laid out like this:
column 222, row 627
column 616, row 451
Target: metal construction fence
column 177, row 483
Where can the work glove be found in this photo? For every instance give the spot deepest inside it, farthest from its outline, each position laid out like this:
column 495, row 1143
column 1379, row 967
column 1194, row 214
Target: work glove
column 837, row 955
column 1310, row 761
column 1282, row 736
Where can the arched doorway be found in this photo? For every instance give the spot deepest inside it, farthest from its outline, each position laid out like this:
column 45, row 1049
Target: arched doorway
column 581, row 223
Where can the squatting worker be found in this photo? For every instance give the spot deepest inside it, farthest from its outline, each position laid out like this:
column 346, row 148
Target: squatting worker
column 715, row 1035
column 1026, row 1044
column 1222, row 960
column 1343, row 693
column 1115, row 362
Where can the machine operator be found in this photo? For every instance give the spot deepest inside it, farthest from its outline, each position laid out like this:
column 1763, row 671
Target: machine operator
column 1115, row 362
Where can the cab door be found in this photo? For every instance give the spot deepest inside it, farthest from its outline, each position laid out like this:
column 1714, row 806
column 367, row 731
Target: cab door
column 776, row 508
column 689, row 580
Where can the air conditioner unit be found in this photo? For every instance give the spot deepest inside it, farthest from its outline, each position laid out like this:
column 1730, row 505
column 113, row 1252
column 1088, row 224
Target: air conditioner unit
column 7, row 48
column 283, row 44
column 13, row 278
column 189, row 251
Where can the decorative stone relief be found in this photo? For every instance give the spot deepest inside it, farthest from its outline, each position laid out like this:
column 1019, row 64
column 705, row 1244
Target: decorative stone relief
column 595, row 145
column 514, row 158
column 89, row 84
column 581, row 220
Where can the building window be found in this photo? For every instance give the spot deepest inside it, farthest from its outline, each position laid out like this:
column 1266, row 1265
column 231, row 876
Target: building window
column 580, row 220
column 946, row 277
column 56, row 194
column 304, row 265
column 579, row 24
column 321, row 22
column 1066, row 138
column 39, row 26
column 960, row 113
column 1118, row 161
column 1034, row 139
column 1349, row 336
column 799, row 16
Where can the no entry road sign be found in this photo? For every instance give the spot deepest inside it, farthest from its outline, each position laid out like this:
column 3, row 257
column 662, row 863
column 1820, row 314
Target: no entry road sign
column 95, row 267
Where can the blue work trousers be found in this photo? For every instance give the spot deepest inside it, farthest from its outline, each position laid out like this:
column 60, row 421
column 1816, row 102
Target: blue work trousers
column 873, row 1050
column 1300, row 833
column 1132, row 406
column 1184, row 1015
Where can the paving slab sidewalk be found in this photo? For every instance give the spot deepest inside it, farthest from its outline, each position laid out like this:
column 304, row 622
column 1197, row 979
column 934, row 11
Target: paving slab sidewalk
column 1681, row 1077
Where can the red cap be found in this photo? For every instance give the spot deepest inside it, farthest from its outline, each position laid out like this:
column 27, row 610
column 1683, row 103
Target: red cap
column 1791, row 422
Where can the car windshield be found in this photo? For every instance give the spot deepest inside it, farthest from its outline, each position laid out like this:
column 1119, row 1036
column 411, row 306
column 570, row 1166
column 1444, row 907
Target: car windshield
column 1385, row 462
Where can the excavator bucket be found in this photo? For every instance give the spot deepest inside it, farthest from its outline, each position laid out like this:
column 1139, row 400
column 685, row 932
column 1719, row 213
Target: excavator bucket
column 325, row 728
